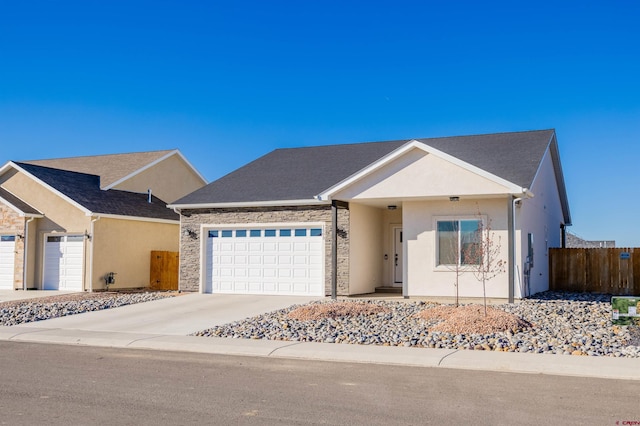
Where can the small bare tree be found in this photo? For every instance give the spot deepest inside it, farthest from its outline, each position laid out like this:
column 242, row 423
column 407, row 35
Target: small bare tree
column 484, row 256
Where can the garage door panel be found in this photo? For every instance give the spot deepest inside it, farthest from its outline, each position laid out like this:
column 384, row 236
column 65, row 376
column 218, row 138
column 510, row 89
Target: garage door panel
column 265, row 261
column 7, row 261
column 64, row 262
column 269, row 247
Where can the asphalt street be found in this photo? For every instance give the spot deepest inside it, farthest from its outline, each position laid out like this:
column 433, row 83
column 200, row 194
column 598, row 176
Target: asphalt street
column 61, row 384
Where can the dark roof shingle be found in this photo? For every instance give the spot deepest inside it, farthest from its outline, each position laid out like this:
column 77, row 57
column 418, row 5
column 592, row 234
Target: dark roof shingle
column 302, row 173
column 85, row 190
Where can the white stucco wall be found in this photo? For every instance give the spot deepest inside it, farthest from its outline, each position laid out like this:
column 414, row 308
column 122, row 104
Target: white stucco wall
column 418, row 174
column 423, row 277
column 365, row 249
column 541, row 216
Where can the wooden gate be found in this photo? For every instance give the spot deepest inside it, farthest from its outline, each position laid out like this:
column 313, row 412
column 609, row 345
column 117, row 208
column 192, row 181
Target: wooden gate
column 164, row 270
column 598, row 270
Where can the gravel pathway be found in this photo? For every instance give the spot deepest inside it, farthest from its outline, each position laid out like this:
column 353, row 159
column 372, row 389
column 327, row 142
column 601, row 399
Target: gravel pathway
column 561, row 323
column 23, row 311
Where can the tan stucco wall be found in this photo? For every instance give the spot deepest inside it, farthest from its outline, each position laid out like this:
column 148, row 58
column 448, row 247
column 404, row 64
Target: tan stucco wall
column 418, row 174
column 124, row 247
column 424, row 278
column 365, row 249
column 60, row 217
column 168, row 180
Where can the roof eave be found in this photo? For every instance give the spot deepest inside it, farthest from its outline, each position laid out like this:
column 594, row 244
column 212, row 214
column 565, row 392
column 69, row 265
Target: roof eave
column 275, row 203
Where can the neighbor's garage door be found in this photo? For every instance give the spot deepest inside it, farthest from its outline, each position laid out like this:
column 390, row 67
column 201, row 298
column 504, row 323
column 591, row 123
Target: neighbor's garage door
column 7, row 261
column 270, row 260
column 63, row 262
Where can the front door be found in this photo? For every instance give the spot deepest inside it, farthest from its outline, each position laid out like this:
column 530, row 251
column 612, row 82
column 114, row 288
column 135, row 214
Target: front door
column 397, row 257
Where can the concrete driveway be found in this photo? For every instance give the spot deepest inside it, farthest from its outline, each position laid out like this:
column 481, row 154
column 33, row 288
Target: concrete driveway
column 180, row 315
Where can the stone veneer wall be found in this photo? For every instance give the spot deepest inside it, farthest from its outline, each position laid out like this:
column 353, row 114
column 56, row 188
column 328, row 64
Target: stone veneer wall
column 192, row 219
column 12, row 224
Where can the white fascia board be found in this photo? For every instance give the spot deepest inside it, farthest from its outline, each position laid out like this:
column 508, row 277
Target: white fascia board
column 17, row 210
column 513, row 188
column 275, row 203
column 153, row 163
column 8, row 165
column 74, row 203
column 136, row 218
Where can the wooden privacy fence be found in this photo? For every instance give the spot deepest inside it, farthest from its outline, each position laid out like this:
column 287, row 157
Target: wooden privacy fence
column 164, row 270
column 595, row 270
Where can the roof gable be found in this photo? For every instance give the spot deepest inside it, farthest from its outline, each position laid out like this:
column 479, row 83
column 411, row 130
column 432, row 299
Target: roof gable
column 83, row 190
column 416, row 171
column 112, row 168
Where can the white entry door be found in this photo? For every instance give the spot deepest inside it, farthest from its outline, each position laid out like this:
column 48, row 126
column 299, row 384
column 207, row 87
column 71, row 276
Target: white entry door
column 397, row 257
column 265, row 260
column 7, row 261
column 63, row 262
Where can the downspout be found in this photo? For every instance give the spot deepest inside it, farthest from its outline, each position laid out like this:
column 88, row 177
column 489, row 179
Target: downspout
column 24, row 255
column 91, row 241
column 511, row 221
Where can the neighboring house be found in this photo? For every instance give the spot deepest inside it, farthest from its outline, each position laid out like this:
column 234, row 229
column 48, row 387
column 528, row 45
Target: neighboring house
column 573, row 241
column 346, row 219
column 66, row 223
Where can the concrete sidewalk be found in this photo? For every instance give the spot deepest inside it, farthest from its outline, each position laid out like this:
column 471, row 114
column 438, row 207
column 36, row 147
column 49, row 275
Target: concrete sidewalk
column 164, row 325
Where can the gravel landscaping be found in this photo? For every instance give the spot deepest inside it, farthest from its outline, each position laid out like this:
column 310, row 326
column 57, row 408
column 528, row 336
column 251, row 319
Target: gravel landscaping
column 549, row 322
column 23, row 311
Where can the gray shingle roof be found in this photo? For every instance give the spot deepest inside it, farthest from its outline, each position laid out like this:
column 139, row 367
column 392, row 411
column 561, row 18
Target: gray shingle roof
column 110, row 167
column 85, row 190
column 302, row 173
column 18, row 203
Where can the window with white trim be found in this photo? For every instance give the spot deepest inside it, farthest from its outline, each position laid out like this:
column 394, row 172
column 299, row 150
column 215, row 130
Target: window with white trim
column 457, row 240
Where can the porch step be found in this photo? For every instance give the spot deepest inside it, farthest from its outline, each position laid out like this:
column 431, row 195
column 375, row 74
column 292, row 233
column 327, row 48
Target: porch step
column 388, row 289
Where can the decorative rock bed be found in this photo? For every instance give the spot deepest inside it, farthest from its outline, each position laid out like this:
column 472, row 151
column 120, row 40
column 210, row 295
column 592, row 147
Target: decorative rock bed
column 555, row 323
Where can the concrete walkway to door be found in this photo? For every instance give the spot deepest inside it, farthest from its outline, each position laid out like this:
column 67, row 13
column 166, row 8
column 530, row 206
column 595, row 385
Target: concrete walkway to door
column 180, row 315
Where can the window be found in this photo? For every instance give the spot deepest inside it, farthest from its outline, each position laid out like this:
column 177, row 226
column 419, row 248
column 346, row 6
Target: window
column 269, row 232
column 8, row 238
column 255, row 233
column 457, row 241
column 285, row 232
column 241, row 233
column 227, row 233
column 316, row 232
column 213, row 234
column 301, row 232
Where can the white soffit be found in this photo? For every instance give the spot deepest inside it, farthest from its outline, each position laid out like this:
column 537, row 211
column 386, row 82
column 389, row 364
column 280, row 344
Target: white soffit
column 414, row 144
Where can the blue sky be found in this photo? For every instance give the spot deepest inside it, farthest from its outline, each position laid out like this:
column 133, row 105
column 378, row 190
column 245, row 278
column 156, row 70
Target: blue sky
column 226, row 82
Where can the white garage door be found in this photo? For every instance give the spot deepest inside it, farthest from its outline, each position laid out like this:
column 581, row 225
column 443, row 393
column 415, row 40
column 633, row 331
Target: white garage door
column 7, row 261
column 269, row 260
column 63, row 260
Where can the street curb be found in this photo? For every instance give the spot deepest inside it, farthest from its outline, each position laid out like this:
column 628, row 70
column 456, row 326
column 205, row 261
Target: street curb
column 507, row 362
